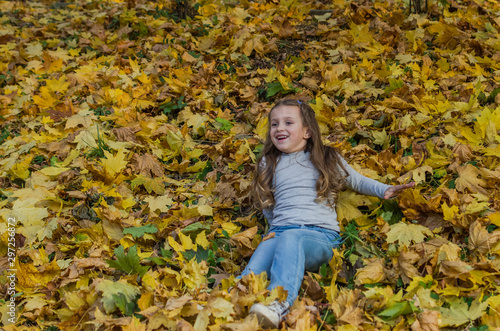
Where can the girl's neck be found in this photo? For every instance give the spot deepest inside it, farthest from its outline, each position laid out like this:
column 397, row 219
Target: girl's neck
column 294, row 153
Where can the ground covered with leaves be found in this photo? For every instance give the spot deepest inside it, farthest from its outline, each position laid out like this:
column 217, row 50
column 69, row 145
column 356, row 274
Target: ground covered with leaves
column 129, row 131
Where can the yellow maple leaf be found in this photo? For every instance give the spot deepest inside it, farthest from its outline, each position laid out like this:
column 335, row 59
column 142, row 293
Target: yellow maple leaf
column 114, row 164
column 230, row 228
column 53, row 171
column 187, row 243
column 205, row 210
column 262, row 127
column 449, row 212
column 381, row 138
column 57, row 85
column 459, row 312
column 21, row 169
column 201, row 239
column 34, row 49
column 406, row 233
column 46, row 99
column 30, row 277
column 348, row 203
column 448, row 252
column 372, row 273
column 193, row 273
column 495, row 218
column 161, row 203
column 468, row 180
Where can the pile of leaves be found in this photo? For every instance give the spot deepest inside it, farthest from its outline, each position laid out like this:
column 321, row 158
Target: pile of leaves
column 129, row 132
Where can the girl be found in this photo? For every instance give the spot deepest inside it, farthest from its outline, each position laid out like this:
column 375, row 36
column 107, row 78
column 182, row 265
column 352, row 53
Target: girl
column 296, row 183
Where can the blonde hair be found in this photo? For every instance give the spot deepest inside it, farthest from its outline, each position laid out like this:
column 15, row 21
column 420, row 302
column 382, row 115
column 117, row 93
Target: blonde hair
column 325, row 159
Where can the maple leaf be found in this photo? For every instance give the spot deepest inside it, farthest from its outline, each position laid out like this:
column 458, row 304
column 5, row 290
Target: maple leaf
column 161, row 203
column 407, row 233
column 468, row 180
column 481, row 240
column 190, row 95
column 110, row 290
column 406, row 264
column 194, row 274
column 129, row 263
column 150, row 184
column 460, row 312
column 347, row 205
column 372, row 273
column 114, row 164
column 147, row 165
column 245, row 242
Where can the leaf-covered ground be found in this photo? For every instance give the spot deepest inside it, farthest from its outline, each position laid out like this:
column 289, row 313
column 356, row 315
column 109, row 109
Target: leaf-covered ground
column 128, row 136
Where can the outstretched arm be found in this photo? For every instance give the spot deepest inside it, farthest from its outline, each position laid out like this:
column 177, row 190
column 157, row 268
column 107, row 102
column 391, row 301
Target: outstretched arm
column 393, row 191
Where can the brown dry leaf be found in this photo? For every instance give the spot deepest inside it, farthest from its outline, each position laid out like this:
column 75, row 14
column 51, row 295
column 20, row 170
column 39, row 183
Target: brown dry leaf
column 147, row 165
column 244, row 241
column 269, row 236
column 468, row 180
column 428, row 320
column 312, row 287
column 463, row 152
column 454, row 268
column 189, row 92
column 406, row 264
column 126, row 133
column 346, row 307
column 372, row 273
column 250, row 323
column 481, row 240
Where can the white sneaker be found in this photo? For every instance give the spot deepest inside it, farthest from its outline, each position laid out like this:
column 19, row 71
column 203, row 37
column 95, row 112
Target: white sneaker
column 270, row 316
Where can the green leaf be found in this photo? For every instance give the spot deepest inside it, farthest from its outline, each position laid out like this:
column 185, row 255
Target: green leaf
column 157, row 260
column 323, row 270
column 111, row 289
column 128, row 263
column 195, row 228
column 226, row 125
column 274, row 88
column 394, row 84
column 391, row 212
column 398, row 309
column 126, row 307
column 140, row 231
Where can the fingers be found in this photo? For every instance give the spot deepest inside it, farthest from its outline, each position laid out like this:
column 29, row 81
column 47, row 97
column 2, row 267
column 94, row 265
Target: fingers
column 394, row 191
column 403, row 187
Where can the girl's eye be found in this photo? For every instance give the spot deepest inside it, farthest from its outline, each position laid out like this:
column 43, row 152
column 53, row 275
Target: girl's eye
column 274, row 124
column 289, row 123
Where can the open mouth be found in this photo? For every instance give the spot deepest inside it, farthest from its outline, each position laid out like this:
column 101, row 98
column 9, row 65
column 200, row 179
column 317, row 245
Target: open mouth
column 281, row 137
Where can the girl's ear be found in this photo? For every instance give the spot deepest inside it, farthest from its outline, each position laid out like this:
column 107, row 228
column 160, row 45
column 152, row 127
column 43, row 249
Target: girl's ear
column 307, row 134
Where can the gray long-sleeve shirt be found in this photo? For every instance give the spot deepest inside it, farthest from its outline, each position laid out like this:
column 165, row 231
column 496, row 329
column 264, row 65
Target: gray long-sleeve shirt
column 296, row 196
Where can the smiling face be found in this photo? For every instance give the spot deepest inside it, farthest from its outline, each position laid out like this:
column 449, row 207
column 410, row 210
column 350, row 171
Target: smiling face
column 287, row 131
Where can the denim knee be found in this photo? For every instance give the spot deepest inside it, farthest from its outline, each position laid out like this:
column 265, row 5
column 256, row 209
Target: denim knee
column 316, row 246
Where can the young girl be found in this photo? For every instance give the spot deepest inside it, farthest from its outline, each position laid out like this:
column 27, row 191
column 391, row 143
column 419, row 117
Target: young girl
column 296, row 184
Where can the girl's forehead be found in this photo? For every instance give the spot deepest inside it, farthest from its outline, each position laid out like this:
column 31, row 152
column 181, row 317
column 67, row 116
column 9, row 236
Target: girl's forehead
column 285, row 110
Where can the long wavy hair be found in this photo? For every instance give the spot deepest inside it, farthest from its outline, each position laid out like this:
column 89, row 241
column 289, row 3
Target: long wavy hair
column 326, row 159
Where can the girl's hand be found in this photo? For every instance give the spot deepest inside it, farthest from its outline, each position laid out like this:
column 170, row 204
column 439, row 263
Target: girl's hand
column 395, row 190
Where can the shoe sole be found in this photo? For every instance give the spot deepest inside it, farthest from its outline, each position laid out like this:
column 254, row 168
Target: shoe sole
column 264, row 321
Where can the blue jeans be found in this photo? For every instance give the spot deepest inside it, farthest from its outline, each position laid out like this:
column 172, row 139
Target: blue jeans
column 292, row 251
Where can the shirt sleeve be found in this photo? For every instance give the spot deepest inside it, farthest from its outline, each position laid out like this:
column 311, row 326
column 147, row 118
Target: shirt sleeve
column 268, row 214
column 362, row 184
